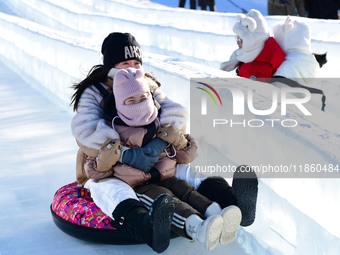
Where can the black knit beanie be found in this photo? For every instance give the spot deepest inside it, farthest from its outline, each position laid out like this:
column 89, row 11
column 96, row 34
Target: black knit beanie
column 118, row 47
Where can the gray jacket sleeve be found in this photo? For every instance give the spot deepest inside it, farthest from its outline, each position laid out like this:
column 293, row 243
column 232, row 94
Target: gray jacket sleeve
column 88, row 125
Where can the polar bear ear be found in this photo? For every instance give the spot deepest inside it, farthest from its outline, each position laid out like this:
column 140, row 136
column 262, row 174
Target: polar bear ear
column 288, row 20
column 250, row 23
column 288, row 25
column 240, row 16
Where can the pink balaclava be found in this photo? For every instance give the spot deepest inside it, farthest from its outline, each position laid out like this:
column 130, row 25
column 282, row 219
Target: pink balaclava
column 130, row 82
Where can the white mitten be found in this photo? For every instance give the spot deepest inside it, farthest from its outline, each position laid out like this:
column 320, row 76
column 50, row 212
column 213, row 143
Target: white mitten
column 231, row 64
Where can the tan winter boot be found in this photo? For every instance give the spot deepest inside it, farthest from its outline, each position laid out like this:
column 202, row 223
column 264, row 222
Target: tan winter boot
column 231, row 221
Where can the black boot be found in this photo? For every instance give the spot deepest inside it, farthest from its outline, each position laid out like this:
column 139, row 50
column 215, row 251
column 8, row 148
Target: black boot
column 218, row 190
column 153, row 226
column 245, row 186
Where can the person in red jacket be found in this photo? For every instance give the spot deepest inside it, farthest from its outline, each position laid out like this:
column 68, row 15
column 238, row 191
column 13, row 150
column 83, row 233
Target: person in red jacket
column 258, row 55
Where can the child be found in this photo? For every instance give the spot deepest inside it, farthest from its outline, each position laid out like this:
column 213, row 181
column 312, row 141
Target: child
column 196, row 217
column 258, row 55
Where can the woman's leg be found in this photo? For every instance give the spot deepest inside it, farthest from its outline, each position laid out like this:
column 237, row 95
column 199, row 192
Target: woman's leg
column 245, row 186
column 147, row 225
column 187, row 173
column 243, row 192
column 108, row 193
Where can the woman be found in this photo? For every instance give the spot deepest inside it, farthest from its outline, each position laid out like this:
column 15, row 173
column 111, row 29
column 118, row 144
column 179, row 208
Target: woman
column 258, row 55
column 120, row 50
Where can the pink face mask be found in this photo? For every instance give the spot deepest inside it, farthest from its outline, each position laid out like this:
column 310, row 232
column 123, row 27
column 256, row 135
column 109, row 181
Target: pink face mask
column 138, row 114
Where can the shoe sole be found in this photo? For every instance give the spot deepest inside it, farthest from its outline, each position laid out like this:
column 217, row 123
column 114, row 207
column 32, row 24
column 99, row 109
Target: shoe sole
column 231, row 221
column 161, row 213
column 215, row 227
column 245, row 187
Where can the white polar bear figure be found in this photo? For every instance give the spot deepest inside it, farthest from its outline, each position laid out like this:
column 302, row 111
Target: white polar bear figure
column 294, row 37
column 300, row 65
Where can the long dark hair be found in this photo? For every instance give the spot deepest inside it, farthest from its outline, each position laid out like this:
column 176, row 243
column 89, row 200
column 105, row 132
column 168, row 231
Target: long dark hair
column 97, row 74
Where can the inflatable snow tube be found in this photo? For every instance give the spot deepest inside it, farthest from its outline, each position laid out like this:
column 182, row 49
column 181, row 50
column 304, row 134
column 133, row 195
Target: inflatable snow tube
column 75, row 213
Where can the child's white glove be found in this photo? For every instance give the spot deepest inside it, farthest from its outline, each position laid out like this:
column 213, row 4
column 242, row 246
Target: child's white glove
column 231, row 64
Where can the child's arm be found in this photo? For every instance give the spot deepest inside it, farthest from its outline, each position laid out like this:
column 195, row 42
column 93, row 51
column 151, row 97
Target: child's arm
column 231, row 64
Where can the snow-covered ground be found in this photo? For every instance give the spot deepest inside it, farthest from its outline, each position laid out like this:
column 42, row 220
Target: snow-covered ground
column 46, row 46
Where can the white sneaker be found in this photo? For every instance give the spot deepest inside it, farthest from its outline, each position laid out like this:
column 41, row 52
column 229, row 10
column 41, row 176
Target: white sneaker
column 206, row 231
column 231, row 221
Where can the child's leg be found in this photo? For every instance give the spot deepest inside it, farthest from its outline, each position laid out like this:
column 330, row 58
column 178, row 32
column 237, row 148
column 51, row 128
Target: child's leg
column 186, row 193
column 206, row 231
column 215, row 188
column 231, row 215
column 147, row 194
column 187, row 221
